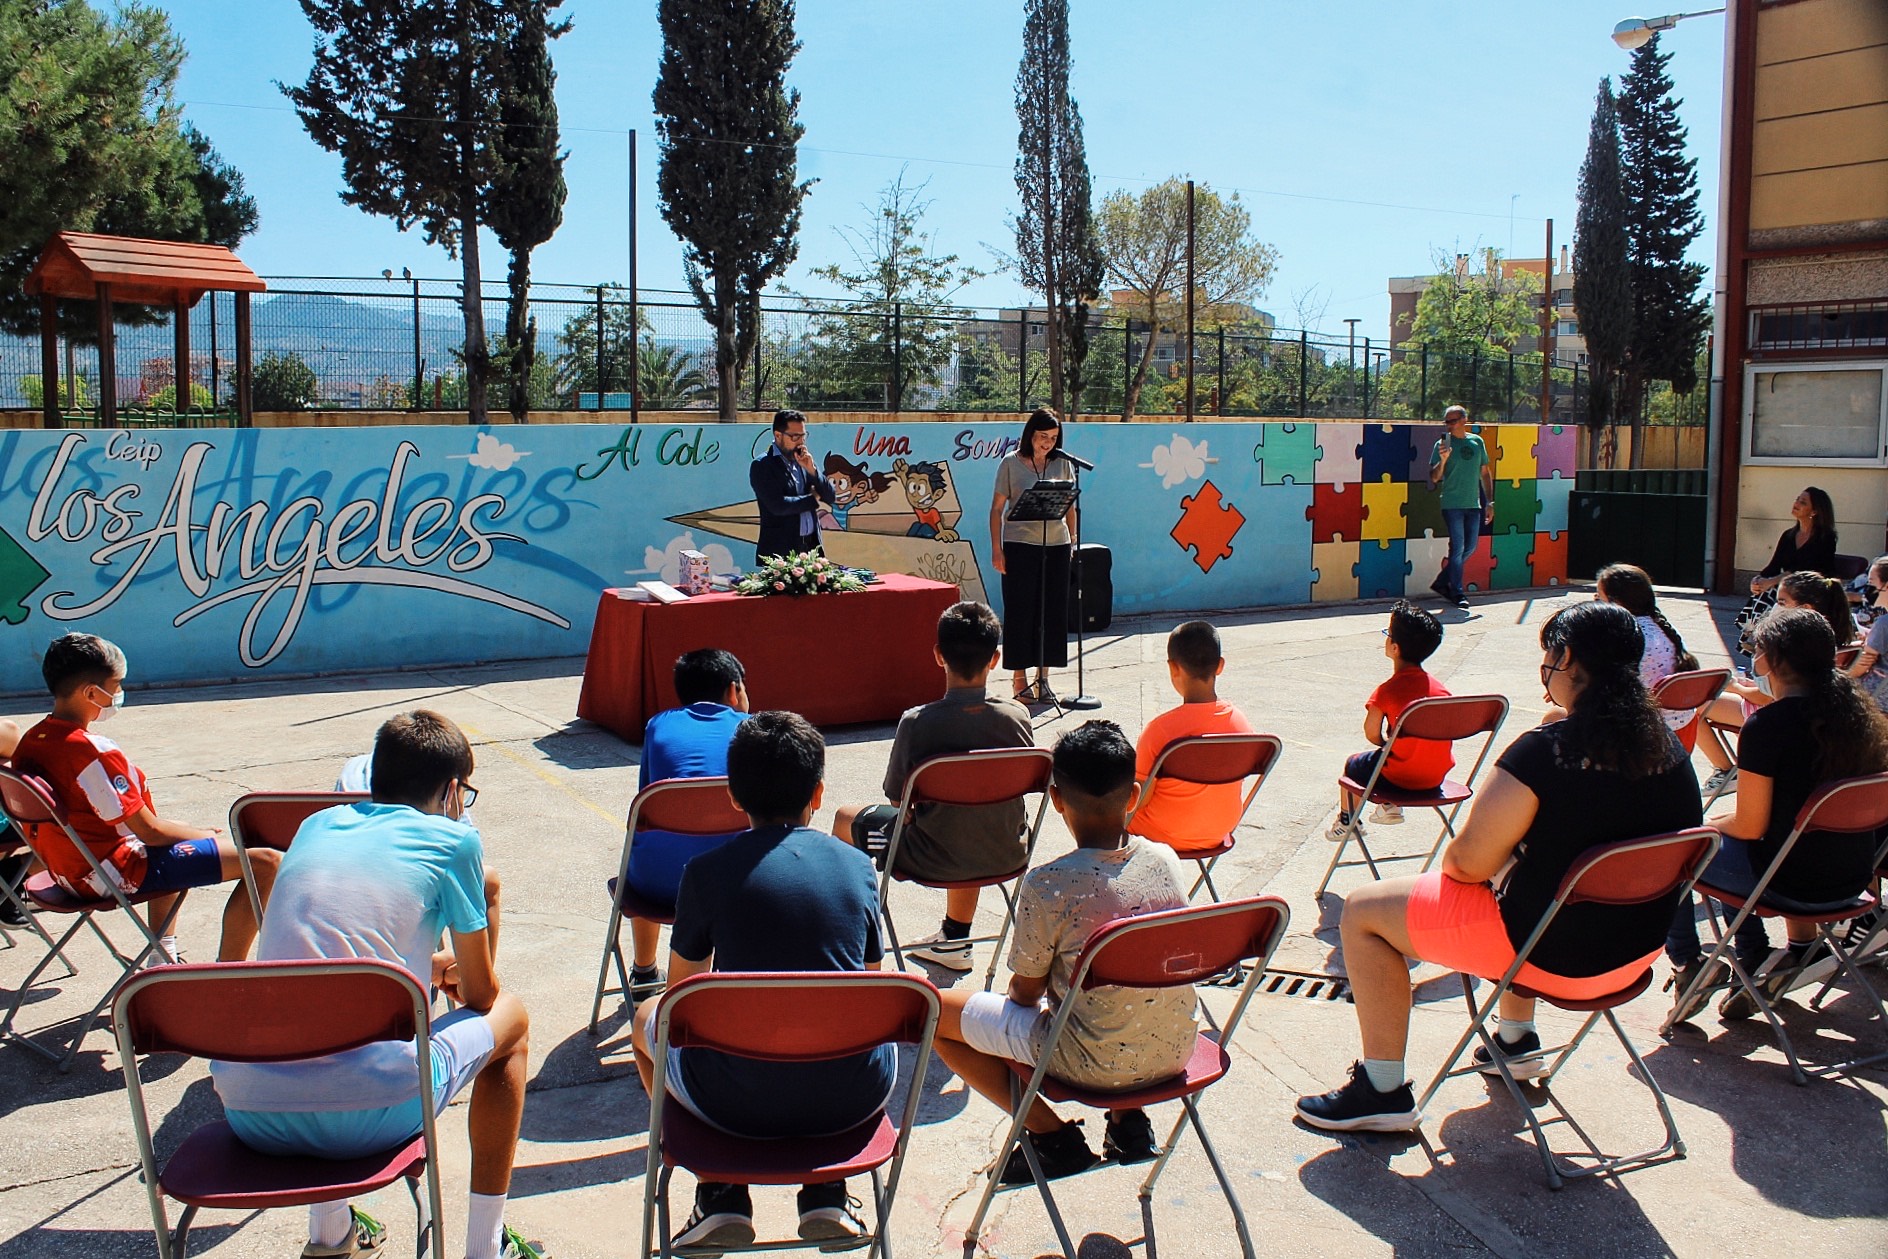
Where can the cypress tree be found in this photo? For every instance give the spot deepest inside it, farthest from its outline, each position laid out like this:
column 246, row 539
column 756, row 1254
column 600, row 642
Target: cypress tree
column 1670, row 313
column 728, row 180
column 1602, row 280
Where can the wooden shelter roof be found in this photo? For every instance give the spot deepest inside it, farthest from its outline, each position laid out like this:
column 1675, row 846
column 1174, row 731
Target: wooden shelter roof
column 144, row 272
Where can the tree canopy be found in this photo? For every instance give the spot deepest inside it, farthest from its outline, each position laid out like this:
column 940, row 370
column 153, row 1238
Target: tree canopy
column 1602, row 283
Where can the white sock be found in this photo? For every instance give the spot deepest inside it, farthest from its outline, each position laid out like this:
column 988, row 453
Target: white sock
column 168, row 945
column 484, row 1225
column 329, row 1223
column 1386, row 1074
column 1507, row 1031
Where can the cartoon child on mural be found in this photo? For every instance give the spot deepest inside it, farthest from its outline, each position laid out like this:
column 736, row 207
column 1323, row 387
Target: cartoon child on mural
column 928, row 490
column 852, row 486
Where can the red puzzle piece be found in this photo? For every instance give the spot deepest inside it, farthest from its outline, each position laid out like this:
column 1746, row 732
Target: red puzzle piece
column 1336, row 513
column 1549, row 559
column 1207, row 524
column 1478, row 572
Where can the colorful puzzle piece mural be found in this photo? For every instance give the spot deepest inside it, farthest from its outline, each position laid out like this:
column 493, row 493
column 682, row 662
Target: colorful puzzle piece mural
column 1336, row 513
column 1336, row 566
column 1207, row 524
column 1384, row 504
column 1383, row 569
column 1286, row 452
column 1341, row 460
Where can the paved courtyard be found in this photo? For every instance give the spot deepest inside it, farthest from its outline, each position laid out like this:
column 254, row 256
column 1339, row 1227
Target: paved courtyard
column 1770, row 1165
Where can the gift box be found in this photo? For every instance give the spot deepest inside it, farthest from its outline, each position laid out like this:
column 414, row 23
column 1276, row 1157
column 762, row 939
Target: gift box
column 695, row 577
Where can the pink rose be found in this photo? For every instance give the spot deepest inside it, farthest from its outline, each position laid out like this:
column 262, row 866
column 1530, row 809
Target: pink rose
column 799, row 572
column 780, row 585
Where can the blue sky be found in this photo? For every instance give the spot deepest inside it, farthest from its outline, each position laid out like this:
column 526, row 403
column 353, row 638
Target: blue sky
column 1363, row 137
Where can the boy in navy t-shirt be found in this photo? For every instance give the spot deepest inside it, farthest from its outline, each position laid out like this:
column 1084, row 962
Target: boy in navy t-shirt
column 779, row 897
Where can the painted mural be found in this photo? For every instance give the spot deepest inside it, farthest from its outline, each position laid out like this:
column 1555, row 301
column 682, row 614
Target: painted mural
column 211, row 554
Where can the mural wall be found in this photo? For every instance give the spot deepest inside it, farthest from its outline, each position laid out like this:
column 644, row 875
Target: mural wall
column 211, row 554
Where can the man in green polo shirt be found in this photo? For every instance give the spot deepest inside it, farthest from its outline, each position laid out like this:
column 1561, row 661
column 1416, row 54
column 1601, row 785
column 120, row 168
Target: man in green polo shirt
column 1459, row 467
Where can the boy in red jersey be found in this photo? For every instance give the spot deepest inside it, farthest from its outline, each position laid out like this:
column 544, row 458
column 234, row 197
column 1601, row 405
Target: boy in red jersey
column 108, row 803
column 1410, row 638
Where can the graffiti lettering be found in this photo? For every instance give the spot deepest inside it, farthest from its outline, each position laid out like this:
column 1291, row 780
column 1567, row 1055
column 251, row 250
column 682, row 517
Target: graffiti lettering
column 969, row 446
column 686, row 451
column 624, row 452
column 866, row 442
column 365, row 541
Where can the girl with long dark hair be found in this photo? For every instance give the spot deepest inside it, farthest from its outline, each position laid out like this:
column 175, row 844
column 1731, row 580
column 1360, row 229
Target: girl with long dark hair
column 1631, row 588
column 1808, row 543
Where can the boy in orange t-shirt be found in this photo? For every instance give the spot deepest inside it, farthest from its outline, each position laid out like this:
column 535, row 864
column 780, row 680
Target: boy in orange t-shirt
column 1186, row 816
column 1411, row 637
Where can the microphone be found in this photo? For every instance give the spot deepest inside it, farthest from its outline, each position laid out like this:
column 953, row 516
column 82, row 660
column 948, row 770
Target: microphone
column 1078, row 461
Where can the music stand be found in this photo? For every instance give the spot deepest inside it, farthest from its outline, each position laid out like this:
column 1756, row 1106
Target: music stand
column 1041, row 503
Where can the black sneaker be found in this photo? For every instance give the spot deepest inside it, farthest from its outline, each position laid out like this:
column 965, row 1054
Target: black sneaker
column 1442, row 591
column 829, row 1214
column 1063, row 1152
column 1461, row 601
column 1776, row 977
column 723, row 1216
column 1359, row 1107
column 1129, row 1137
column 1526, row 1068
column 644, row 982
column 1681, row 979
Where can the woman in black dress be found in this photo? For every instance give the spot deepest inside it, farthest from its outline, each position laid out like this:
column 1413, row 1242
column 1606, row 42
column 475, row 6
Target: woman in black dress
column 1810, row 543
column 1033, row 557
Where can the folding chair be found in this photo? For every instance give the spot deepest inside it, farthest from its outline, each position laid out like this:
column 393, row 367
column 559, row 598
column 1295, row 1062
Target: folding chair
column 1630, row 872
column 1849, row 806
column 696, row 807
column 1214, row 760
column 1442, row 718
column 1170, row 949
column 786, row 1017
column 269, row 819
column 1690, row 692
column 272, row 1012
column 13, row 892
column 34, row 810
column 989, row 776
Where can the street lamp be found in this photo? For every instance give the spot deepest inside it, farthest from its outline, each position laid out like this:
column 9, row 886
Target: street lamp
column 1636, row 32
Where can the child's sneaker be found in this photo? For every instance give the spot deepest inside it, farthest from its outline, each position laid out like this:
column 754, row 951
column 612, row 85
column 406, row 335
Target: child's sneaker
column 644, row 982
column 512, row 1245
column 1341, row 830
column 1521, row 1065
column 1063, row 1152
column 365, row 1233
column 829, row 1214
column 940, row 950
column 1723, row 782
column 723, row 1217
column 1129, row 1137
column 1387, row 815
column 1359, row 1107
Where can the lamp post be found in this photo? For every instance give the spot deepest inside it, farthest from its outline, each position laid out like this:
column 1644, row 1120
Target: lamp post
column 1353, row 357
column 1636, row 32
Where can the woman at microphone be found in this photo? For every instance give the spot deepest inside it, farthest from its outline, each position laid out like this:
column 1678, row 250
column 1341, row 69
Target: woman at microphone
column 1033, row 557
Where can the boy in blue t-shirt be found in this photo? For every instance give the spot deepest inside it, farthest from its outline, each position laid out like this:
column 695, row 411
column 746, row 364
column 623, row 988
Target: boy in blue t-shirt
column 779, row 897
column 687, row 741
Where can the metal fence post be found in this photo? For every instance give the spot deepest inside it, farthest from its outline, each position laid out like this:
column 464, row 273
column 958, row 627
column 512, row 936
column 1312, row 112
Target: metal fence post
column 1366, row 378
column 1127, row 362
column 1422, row 405
column 1304, row 373
column 1022, row 359
column 602, row 380
column 760, row 342
column 1219, row 394
column 1507, row 410
column 898, row 374
column 1474, row 381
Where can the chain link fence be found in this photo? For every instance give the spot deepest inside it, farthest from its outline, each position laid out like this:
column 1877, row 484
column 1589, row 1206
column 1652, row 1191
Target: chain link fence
column 396, row 343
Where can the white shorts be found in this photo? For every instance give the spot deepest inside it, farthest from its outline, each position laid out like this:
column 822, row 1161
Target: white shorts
column 993, row 1024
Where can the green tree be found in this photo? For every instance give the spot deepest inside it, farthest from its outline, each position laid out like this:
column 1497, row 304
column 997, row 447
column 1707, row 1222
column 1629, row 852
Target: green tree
column 283, row 382
column 896, row 328
column 526, row 205
column 1058, row 252
column 1670, row 309
column 1602, row 285
column 1144, row 240
column 728, row 181
column 74, row 394
column 1469, row 319
column 668, row 376
column 165, row 399
column 577, row 366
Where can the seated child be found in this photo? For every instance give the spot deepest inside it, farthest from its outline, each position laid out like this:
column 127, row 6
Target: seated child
column 109, row 805
column 1117, row 1038
column 1414, row 764
column 779, row 897
column 1188, row 816
column 948, row 842
column 688, row 741
column 382, row 878
column 1870, row 669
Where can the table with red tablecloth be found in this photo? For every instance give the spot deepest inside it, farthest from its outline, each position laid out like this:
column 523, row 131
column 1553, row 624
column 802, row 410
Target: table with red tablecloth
column 834, row 659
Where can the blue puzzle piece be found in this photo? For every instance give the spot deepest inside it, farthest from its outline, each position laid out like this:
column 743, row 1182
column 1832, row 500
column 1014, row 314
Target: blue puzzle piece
column 1286, row 453
column 1388, row 452
column 1555, row 494
column 1382, row 568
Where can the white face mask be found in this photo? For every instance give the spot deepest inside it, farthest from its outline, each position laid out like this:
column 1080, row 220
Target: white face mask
column 108, row 711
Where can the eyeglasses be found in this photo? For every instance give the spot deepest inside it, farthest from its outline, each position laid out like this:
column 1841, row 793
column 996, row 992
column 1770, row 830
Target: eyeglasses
column 1549, row 670
column 468, row 796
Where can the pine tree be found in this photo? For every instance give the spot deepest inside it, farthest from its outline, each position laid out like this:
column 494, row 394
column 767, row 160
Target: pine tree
column 728, row 185
column 1058, row 252
column 1602, row 282
column 526, row 205
column 1670, row 311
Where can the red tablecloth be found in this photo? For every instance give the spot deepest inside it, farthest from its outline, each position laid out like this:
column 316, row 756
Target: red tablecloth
column 834, row 659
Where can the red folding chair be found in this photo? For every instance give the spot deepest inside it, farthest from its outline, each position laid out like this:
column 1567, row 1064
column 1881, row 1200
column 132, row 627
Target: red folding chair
column 38, row 817
column 1849, row 806
column 272, row 1012
column 1441, row 718
column 987, row 776
column 13, row 892
column 1165, row 950
column 699, row 808
column 1630, row 872
column 1690, row 692
column 269, row 819
column 786, row 1017
column 1209, row 760
column 1846, row 656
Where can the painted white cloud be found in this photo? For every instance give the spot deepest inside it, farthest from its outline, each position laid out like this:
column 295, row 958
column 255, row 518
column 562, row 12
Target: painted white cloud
column 1179, row 460
column 666, row 563
column 493, row 454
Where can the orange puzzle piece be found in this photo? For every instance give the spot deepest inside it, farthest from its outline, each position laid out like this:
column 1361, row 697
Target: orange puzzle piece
column 1207, row 524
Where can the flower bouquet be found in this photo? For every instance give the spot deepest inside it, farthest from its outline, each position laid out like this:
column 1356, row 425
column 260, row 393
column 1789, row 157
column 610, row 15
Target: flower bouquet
column 800, row 573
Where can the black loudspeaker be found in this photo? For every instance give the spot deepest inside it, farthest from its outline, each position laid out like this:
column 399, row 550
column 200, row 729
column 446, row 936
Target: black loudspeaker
column 1092, row 570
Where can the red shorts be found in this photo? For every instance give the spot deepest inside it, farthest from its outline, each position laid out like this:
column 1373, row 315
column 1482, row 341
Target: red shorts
column 1459, row 925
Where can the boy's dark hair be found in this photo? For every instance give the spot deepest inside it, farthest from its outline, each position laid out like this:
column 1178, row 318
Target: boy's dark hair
column 415, row 755
column 704, row 675
column 968, row 635
column 1195, row 648
column 1415, row 631
column 1095, row 760
column 775, row 762
column 76, row 660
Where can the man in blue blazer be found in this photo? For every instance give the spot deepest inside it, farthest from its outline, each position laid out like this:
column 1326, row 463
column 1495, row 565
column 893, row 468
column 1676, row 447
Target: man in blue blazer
column 788, row 489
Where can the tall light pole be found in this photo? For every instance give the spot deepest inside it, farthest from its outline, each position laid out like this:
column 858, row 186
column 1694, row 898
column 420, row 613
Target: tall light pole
column 1636, row 32
column 1353, row 356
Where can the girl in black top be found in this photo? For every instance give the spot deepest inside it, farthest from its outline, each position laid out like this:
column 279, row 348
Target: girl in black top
column 1819, row 728
column 1809, row 543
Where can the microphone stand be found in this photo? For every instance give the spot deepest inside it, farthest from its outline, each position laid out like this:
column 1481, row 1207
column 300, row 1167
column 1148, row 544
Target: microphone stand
column 1081, row 701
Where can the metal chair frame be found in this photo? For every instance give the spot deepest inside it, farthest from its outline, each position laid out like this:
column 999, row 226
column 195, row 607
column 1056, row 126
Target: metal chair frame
column 1271, row 917
column 1676, row 691
column 1267, row 748
column 1559, row 1167
column 1418, row 713
column 13, row 891
column 254, row 817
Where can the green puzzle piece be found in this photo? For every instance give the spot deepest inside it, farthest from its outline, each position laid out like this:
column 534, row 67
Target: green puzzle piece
column 20, row 576
column 1286, row 452
column 1423, row 513
column 1517, row 504
column 1511, row 566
